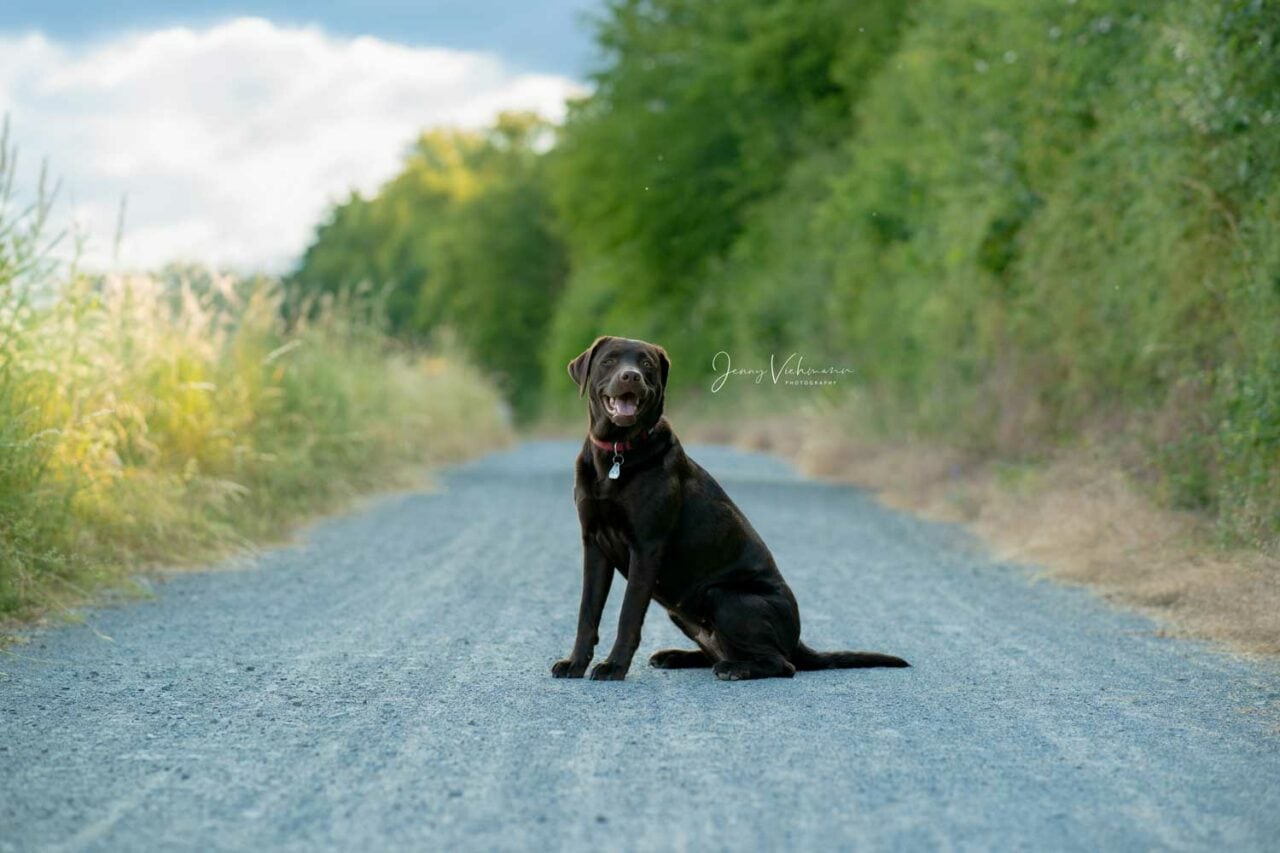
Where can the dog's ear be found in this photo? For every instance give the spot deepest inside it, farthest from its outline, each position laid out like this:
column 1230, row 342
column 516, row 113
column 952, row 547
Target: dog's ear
column 664, row 362
column 580, row 367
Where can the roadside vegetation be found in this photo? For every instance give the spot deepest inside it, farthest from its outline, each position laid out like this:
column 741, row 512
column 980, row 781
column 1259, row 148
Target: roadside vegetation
column 174, row 417
column 463, row 242
column 1071, row 512
column 1037, row 231
column 1027, row 225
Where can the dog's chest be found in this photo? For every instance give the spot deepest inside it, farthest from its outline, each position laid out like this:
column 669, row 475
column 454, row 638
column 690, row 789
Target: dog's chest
column 614, row 542
column 616, row 548
column 607, row 525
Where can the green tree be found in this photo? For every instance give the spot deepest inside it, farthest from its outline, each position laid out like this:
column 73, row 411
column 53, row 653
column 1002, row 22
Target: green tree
column 699, row 110
column 462, row 239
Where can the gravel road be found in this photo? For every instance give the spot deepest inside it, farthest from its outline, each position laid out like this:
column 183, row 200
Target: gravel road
column 384, row 684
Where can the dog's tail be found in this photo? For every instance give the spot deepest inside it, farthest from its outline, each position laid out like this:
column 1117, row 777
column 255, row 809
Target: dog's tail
column 805, row 659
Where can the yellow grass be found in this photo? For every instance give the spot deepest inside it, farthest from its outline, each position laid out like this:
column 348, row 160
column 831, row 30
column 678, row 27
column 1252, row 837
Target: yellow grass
column 170, row 419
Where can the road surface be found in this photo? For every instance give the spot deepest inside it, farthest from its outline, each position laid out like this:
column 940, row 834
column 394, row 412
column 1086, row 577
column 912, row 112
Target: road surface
column 384, row 684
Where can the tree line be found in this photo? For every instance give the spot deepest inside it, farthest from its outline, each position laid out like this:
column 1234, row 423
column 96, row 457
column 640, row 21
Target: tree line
column 1021, row 221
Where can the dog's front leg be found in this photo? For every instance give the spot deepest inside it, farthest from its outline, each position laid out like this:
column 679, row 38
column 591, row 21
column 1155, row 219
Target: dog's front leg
column 641, row 575
column 597, row 576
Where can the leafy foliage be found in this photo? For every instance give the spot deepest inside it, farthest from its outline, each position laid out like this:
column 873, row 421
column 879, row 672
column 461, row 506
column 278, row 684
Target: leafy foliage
column 1021, row 221
column 462, row 239
column 697, row 113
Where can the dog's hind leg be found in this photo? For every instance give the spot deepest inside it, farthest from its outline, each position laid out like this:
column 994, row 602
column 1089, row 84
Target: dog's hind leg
column 741, row 670
column 680, row 659
column 756, row 632
column 698, row 658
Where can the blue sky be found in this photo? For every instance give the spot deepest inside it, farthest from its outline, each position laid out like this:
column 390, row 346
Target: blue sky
column 231, row 128
column 531, row 35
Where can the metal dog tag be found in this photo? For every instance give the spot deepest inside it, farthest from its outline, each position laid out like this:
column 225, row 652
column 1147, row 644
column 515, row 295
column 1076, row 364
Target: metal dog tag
column 616, row 471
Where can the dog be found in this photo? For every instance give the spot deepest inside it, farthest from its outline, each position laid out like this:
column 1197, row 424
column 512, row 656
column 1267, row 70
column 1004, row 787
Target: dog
column 653, row 514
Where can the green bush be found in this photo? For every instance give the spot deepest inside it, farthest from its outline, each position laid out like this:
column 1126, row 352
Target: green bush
column 1053, row 218
column 1092, row 220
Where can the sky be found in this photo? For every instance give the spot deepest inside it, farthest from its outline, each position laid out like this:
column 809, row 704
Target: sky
column 229, row 129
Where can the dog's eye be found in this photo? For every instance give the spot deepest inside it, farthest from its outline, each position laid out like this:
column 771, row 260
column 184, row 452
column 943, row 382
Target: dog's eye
column 646, row 363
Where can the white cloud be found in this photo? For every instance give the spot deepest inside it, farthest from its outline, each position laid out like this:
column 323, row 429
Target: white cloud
column 231, row 141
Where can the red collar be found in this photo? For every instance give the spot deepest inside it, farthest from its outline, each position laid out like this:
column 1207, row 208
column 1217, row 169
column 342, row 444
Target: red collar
column 623, row 446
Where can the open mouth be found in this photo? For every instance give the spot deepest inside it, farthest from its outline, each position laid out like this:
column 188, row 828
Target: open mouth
column 622, row 406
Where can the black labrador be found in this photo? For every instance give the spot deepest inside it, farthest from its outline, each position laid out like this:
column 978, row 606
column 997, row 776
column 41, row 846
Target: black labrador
column 665, row 524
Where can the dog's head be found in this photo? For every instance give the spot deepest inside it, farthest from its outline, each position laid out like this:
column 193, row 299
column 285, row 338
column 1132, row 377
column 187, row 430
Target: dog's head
column 624, row 379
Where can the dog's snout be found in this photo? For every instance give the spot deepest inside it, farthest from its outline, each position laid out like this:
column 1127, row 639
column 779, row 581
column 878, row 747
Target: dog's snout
column 629, row 376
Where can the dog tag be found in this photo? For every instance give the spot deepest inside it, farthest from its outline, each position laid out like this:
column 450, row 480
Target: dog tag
column 616, row 471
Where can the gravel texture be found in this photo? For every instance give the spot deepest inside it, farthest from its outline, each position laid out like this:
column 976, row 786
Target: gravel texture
column 384, row 684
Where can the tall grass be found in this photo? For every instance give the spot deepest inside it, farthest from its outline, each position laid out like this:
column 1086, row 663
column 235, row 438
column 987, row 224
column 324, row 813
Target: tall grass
column 173, row 417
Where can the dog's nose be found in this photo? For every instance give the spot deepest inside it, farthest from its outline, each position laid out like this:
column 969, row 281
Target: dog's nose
column 629, row 376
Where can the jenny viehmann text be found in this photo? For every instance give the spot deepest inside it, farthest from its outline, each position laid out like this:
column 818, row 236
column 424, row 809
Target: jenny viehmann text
column 790, row 371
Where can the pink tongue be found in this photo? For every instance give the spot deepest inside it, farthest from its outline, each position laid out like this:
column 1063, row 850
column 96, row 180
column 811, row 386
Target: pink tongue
column 624, row 406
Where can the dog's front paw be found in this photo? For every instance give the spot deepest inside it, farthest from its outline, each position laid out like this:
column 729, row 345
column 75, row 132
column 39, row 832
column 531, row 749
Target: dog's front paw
column 569, row 668
column 608, row 671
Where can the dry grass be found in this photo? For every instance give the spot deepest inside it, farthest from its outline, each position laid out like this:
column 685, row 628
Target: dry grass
column 172, row 418
column 1077, row 515
column 146, row 421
